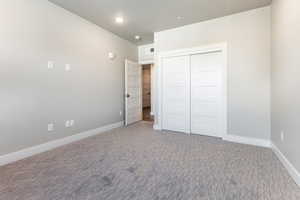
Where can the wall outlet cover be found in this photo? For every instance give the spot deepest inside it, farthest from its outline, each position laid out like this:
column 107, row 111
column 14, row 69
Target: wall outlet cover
column 282, row 136
column 50, row 127
column 67, row 124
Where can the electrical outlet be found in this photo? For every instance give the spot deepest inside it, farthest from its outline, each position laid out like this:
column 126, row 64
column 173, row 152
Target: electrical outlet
column 67, row 124
column 72, row 122
column 282, row 136
column 50, row 127
column 121, row 112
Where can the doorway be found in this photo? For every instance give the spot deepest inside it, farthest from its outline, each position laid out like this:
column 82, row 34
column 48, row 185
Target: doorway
column 133, row 92
column 146, row 92
column 138, row 92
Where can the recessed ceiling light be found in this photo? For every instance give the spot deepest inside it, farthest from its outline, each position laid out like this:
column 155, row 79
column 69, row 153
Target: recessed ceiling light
column 119, row 20
column 137, row 37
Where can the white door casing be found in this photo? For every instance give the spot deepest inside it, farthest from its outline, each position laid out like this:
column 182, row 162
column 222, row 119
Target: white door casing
column 176, row 94
column 133, row 92
column 220, row 53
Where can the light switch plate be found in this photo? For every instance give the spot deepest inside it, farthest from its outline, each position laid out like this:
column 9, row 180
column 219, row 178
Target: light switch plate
column 50, row 64
column 68, row 67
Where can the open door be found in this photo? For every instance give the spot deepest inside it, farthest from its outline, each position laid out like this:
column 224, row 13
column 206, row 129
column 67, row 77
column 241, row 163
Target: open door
column 133, row 92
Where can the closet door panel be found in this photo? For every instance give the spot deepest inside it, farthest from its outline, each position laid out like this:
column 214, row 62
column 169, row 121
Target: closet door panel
column 206, row 94
column 176, row 95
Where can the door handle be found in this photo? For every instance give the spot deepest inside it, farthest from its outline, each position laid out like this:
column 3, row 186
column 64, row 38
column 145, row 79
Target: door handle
column 127, row 95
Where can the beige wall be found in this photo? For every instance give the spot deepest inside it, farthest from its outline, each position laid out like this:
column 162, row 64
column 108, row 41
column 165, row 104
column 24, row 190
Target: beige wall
column 32, row 32
column 286, row 78
column 248, row 38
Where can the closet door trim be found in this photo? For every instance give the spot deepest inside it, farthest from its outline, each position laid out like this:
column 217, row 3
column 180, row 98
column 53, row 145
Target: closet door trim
column 221, row 47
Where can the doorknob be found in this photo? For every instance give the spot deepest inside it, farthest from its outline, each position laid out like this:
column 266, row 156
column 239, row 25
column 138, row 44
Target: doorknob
column 127, row 95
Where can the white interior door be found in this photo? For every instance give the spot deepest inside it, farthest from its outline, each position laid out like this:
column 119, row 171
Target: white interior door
column 133, row 92
column 206, row 94
column 176, row 94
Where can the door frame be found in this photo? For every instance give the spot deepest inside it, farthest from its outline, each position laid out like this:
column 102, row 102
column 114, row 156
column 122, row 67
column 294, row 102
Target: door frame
column 220, row 47
column 127, row 61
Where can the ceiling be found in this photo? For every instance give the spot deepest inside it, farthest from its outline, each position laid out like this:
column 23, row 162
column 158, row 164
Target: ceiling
column 144, row 17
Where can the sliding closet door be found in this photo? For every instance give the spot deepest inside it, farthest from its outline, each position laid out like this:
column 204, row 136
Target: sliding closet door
column 206, row 94
column 176, row 94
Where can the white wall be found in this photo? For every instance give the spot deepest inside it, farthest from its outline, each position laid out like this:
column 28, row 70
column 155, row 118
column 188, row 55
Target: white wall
column 35, row 31
column 286, row 78
column 248, row 38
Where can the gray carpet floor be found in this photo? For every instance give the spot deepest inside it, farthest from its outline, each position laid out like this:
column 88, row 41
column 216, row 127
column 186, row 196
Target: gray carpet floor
column 137, row 163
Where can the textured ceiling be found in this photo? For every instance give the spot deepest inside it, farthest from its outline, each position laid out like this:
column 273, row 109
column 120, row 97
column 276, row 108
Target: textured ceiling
column 144, row 17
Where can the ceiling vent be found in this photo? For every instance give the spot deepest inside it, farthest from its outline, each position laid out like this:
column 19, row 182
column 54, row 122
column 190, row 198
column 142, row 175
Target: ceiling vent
column 146, row 53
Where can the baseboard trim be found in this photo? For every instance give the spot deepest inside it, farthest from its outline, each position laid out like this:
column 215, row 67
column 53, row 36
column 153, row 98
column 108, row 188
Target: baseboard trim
column 248, row 140
column 156, row 127
column 295, row 174
column 28, row 152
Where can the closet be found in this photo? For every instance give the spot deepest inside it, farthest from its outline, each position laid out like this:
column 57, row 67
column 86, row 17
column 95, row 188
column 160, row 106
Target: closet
column 194, row 92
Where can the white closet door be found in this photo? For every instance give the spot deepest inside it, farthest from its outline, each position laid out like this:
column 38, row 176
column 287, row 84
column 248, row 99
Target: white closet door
column 176, row 94
column 206, row 94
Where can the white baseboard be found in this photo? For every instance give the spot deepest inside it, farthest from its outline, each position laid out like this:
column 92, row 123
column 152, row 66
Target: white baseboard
column 25, row 153
column 156, row 127
column 287, row 164
column 247, row 140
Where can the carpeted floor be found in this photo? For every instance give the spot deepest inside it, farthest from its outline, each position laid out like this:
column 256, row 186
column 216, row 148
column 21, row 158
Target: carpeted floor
column 137, row 163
